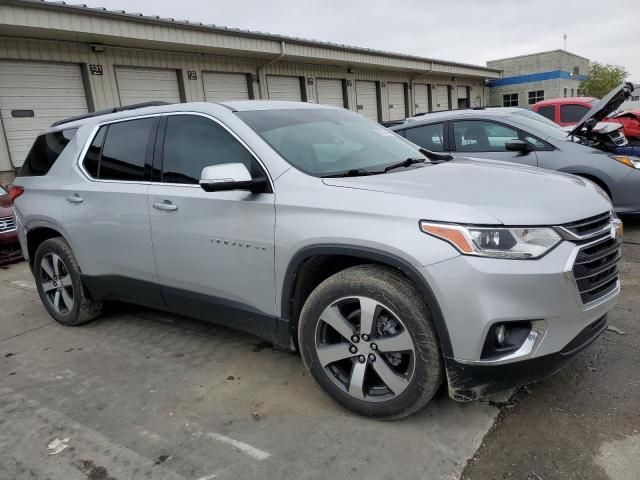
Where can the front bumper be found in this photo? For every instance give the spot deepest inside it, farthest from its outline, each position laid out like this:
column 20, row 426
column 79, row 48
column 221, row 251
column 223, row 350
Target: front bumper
column 469, row 382
column 474, row 293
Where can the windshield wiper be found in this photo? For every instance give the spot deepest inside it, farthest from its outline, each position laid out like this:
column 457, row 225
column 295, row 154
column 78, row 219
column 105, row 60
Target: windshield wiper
column 405, row 163
column 435, row 156
column 354, row 172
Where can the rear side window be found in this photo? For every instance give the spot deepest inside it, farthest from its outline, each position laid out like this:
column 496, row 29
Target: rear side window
column 548, row 111
column 571, row 113
column 430, row 137
column 119, row 151
column 45, row 151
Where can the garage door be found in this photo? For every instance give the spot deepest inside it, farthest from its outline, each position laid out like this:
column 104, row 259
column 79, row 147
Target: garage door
column 330, row 92
column 137, row 85
column 219, row 87
column 442, row 98
column 463, row 98
column 367, row 99
column 284, row 88
column 33, row 96
column 421, row 93
column 397, row 107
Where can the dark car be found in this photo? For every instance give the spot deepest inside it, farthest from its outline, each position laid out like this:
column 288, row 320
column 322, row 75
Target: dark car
column 9, row 246
column 521, row 136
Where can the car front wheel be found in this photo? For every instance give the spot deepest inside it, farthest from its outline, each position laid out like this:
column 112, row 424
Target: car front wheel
column 366, row 336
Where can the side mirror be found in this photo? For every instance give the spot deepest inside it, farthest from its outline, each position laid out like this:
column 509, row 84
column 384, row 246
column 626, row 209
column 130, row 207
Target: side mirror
column 229, row 176
column 517, row 146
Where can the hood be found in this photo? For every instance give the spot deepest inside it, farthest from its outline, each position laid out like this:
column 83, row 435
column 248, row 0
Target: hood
column 512, row 194
column 600, row 127
column 607, row 105
column 6, row 212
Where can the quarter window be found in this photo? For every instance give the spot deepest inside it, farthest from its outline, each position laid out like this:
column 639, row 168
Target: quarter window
column 548, row 111
column 572, row 113
column 510, row 100
column 430, row 137
column 536, row 96
column 481, row 136
column 45, row 151
column 193, row 143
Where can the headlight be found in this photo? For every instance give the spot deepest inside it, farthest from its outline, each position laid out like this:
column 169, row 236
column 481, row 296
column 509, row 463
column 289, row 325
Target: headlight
column 512, row 243
column 633, row 162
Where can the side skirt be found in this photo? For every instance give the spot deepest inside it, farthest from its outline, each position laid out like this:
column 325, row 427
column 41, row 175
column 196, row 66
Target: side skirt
column 190, row 304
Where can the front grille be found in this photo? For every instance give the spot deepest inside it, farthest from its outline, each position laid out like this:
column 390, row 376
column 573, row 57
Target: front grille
column 589, row 227
column 7, row 224
column 596, row 269
column 618, row 138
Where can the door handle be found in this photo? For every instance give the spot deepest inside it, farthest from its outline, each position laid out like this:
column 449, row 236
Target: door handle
column 75, row 198
column 165, row 206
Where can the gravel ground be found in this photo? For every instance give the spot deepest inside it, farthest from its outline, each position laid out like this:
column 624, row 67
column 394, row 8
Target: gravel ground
column 584, row 422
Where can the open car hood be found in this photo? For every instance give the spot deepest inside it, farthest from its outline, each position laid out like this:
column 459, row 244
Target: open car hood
column 603, row 108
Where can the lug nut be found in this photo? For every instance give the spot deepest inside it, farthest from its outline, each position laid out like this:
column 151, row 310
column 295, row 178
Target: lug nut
column 361, row 359
column 365, row 337
column 353, row 349
column 372, row 357
column 374, row 346
column 355, row 339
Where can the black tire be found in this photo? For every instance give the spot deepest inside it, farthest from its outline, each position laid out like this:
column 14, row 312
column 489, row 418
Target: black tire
column 83, row 308
column 405, row 302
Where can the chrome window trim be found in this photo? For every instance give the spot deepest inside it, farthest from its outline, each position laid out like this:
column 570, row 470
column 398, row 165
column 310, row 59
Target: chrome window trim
column 94, row 131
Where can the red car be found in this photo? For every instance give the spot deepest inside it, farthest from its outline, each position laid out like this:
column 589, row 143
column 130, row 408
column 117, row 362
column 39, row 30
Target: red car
column 568, row 111
column 9, row 246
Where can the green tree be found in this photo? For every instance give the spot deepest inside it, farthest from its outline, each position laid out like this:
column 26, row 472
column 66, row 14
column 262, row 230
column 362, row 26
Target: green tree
column 602, row 79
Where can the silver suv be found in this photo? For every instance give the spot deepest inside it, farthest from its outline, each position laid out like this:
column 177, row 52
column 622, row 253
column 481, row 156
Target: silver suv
column 391, row 269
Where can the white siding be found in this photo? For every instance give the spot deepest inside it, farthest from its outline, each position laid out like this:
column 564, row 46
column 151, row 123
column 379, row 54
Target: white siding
column 367, row 99
column 52, row 90
column 330, row 92
column 397, row 107
column 442, row 98
column 284, row 88
column 137, row 85
column 219, row 87
column 421, row 93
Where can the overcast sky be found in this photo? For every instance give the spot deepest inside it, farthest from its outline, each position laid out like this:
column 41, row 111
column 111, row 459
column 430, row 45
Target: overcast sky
column 469, row 31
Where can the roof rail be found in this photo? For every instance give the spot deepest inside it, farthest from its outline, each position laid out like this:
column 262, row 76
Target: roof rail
column 109, row 110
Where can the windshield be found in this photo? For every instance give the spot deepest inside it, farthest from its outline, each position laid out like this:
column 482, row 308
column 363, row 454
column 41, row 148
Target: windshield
column 539, row 125
column 324, row 142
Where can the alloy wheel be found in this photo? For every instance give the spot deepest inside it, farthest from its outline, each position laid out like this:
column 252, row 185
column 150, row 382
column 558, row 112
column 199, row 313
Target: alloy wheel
column 365, row 349
column 56, row 283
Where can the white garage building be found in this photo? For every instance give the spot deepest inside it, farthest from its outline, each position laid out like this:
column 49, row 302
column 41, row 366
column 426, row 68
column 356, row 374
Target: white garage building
column 59, row 60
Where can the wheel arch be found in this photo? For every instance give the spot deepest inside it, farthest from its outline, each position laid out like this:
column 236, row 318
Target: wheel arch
column 292, row 298
column 38, row 234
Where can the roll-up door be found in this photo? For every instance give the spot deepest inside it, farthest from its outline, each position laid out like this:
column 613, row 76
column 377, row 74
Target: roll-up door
column 33, row 95
column 421, row 93
column 442, row 98
column 137, row 85
column 367, row 99
column 330, row 92
column 463, row 97
column 397, row 105
column 284, row 88
column 220, row 87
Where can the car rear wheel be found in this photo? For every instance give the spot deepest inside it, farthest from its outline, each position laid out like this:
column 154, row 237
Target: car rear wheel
column 366, row 337
column 60, row 286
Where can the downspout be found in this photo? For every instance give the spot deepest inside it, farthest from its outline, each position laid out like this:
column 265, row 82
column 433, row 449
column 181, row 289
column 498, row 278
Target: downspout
column 412, row 111
column 262, row 82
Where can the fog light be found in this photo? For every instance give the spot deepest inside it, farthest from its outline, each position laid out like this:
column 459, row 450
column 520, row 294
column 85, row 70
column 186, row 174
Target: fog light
column 500, row 334
column 504, row 338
